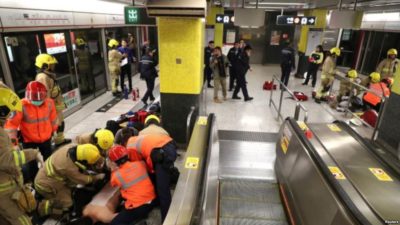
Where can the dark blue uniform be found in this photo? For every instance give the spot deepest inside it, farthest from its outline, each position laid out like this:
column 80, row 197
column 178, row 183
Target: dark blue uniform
column 232, row 56
column 148, row 72
column 287, row 64
column 207, row 70
column 242, row 66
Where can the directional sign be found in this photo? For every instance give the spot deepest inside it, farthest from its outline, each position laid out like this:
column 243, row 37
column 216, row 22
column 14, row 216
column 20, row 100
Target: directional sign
column 226, row 19
column 138, row 16
column 296, row 20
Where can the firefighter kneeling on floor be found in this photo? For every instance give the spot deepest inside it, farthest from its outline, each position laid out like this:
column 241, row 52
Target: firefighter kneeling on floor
column 345, row 91
column 159, row 152
column 63, row 171
column 102, row 138
column 136, row 187
column 16, row 200
column 372, row 99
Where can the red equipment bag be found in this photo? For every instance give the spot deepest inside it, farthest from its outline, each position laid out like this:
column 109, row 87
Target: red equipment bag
column 268, row 85
column 370, row 116
column 300, row 96
column 141, row 115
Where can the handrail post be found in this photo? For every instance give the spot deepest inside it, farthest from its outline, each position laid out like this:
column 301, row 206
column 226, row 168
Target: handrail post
column 280, row 104
column 297, row 111
column 382, row 110
column 188, row 119
column 349, row 101
column 272, row 91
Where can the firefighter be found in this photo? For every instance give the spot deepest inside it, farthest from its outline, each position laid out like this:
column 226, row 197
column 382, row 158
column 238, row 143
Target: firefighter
column 114, row 60
column 135, row 186
column 103, row 139
column 62, row 171
column 153, row 126
column 122, row 136
column 159, row 152
column 37, row 123
column 16, row 200
column 387, row 67
column 45, row 64
column 84, row 66
column 328, row 74
column 371, row 99
column 345, row 86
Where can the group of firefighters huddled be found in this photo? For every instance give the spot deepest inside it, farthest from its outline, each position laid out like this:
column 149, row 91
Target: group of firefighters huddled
column 140, row 163
column 378, row 82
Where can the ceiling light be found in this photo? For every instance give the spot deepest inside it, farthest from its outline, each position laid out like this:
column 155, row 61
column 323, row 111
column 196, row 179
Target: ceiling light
column 277, row 3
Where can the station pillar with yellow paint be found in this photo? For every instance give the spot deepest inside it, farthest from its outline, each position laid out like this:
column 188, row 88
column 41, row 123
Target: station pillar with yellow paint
column 181, row 42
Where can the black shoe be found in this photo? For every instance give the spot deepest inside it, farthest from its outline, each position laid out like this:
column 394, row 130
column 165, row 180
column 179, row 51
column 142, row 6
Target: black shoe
column 317, row 101
column 313, row 86
column 145, row 103
column 230, row 90
column 210, row 86
column 66, row 141
column 248, row 99
column 236, row 97
column 304, row 84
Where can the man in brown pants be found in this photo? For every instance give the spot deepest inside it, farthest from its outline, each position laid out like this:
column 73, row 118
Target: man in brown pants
column 61, row 172
column 12, row 208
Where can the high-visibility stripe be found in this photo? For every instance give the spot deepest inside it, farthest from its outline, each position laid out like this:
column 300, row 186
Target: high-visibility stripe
column 19, row 158
column 126, row 185
column 50, row 170
column 138, row 145
column 27, row 220
column 22, row 220
column 7, row 186
column 40, row 188
column 47, row 208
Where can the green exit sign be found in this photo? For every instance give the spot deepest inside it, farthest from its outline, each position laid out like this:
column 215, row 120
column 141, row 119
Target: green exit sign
column 137, row 16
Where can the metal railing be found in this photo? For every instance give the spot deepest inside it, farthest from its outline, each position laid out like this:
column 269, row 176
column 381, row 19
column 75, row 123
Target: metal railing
column 188, row 122
column 342, row 76
column 283, row 89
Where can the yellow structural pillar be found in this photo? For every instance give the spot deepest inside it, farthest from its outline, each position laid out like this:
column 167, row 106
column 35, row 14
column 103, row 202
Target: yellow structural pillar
column 218, row 27
column 320, row 14
column 181, row 42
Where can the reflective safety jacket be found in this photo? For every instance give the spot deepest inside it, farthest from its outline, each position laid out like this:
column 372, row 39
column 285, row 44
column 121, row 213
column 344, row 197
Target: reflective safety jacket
column 328, row 68
column 316, row 57
column 36, row 123
column 387, row 67
column 53, row 89
column 379, row 88
column 114, row 60
column 10, row 164
column 140, row 147
column 136, row 186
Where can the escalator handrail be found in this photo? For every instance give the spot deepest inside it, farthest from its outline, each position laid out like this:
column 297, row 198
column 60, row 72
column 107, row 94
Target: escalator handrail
column 348, row 203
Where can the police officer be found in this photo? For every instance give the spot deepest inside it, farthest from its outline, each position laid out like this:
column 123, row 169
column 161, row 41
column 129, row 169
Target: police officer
column 387, row 67
column 232, row 57
column 208, row 51
column 243, row 65
column 45, row 64
column 159, row 152
column 114, row 60
column 65, row 169
column 287, row 62
column 148, row 72
column 135, row 186
column 315, row 60
column 37, row 123
column 13, row 196
column 328, row 74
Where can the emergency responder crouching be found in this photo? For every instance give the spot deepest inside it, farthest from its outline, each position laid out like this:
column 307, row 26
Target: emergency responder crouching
column 136, row 187
column 122, row 136
column 345, row 91
column 45, row 64
column 372, row 99
column 159, row 152
column 16, row 199
column 114, row 60
column 153, row 126
column 327, row 75
column 103, row 139
column 37, row 123
column 62, row 171
column 387, row 67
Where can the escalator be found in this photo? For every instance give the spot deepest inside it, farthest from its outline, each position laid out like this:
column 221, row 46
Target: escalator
column 308, row 174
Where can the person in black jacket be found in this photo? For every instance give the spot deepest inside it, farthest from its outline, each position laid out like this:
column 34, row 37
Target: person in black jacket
column 287, row 62
column 232, row 56
column 208, row 51
column 242, row 66
column 148, row 72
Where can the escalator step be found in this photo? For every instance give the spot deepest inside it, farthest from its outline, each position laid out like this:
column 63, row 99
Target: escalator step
column 242, row 221
column 250, row 191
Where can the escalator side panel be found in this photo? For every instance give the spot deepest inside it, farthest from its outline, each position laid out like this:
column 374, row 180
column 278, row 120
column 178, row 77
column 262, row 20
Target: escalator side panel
column 309, row 196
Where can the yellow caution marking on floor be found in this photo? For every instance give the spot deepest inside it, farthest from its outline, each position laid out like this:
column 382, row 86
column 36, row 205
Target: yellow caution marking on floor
column 334, row 127
column 302, row 125
column 337, row 173
column 202, row 120
column 192, row 162
column 380, row 174
column 284, row 144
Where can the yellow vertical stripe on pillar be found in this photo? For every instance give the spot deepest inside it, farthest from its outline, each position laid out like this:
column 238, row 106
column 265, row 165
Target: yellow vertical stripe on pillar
column 218, row 27
column 181, row 42
column 320, row 14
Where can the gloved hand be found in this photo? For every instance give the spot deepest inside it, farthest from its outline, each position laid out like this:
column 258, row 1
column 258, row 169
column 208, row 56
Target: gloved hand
column 98, row 177
column 39, row 159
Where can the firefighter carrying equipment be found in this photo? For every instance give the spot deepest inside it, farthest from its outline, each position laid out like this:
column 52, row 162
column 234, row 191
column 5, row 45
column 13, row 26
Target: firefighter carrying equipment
column 335, row 51
column 44, row 60
column 9, row 102
column 36, row 123
column 103, row 138
column 377, row 88
column 135, row 183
